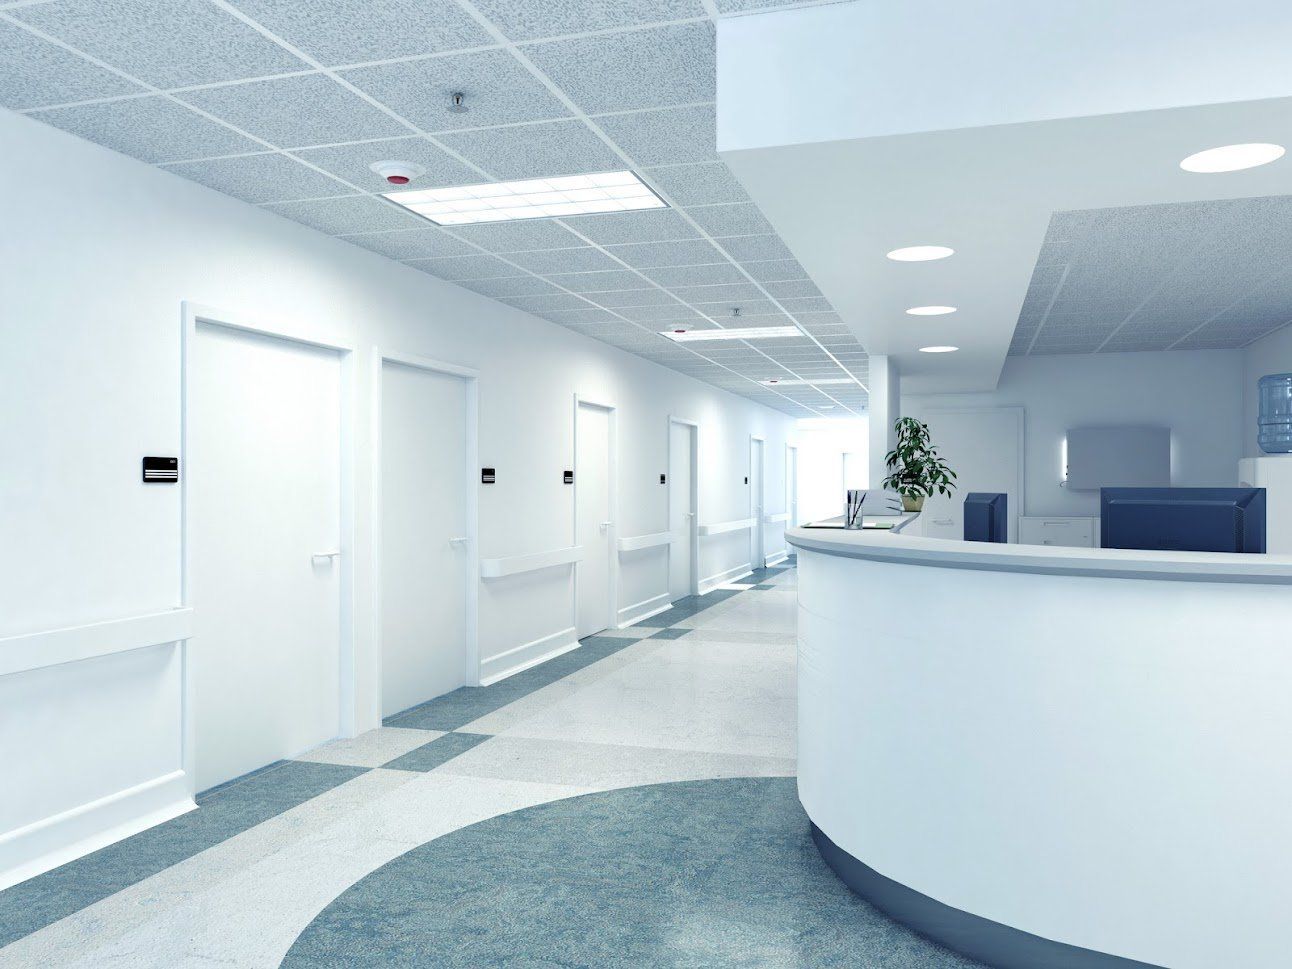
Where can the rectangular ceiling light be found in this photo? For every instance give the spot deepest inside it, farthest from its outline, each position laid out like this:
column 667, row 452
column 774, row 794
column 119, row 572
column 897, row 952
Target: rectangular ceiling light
column 533, row 198
column 733, row 333
column 776, row 381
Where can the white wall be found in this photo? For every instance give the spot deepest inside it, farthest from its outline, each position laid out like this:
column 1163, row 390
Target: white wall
column 822, row 443
column 98, row 252
column 1269, row 354
column 1197, row 393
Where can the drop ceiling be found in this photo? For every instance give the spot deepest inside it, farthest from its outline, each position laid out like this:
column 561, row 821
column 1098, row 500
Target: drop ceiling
column 285, row 103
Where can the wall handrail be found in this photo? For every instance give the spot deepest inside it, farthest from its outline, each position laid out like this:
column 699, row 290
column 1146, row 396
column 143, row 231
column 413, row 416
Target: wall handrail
column 54, row 647
column 516, row 564
column 719, row 528
column 637, row 542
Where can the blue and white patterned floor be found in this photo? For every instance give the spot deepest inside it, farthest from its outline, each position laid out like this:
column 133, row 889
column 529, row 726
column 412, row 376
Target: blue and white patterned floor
column 536, row 822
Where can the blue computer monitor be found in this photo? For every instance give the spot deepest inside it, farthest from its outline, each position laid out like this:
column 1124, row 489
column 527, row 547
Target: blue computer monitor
column 1184, row 519
column 985, row 517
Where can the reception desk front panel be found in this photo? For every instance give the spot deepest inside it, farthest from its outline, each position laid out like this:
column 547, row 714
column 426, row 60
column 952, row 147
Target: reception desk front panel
column 1095, row 760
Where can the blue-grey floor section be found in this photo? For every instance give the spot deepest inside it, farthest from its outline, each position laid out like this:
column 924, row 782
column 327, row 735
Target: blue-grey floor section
column 700, row 873
column 470, row 703
column 995, row 944
column 222, row 812
column 439, row 751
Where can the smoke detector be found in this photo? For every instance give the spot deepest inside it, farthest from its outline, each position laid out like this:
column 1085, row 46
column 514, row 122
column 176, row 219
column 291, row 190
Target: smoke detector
column 397, row 172
column 458, row 103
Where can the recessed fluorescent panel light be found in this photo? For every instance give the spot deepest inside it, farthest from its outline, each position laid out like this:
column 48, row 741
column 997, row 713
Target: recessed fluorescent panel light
column 777, row 382
column 920, row 253
column 1232, row 158
column 733, row 333
column 532, row 198
column 930, row 310
column 938, row 349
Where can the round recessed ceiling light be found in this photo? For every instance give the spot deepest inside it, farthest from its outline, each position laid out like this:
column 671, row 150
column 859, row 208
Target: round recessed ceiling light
column 920, row 253
column 930, row 310
column 1232, row 158
column 938, row 349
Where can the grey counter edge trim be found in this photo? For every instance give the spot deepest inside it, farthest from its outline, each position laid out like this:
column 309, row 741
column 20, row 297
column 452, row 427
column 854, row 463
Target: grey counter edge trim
column 971, row 935
column 1147, row 570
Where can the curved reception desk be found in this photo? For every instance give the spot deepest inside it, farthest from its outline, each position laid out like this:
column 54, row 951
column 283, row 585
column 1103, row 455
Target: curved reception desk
column 1052, row 757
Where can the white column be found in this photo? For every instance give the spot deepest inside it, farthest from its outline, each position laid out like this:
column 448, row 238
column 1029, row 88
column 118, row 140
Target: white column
column 885, row 407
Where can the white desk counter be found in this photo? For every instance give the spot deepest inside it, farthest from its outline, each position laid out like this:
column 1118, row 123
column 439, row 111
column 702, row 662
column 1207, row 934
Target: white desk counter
column 1050, row 756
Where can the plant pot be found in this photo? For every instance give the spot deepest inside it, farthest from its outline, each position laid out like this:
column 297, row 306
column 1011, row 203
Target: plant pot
column 912, row 503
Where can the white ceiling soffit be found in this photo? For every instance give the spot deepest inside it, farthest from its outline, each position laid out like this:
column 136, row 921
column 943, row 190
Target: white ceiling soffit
column 860, row 128
column 285, row 104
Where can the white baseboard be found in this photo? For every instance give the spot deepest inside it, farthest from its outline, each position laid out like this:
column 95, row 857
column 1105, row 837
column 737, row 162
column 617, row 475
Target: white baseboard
column 722, row 578
column 777, row 558
column 507, row 664
column 631, row 615
column 45, row 844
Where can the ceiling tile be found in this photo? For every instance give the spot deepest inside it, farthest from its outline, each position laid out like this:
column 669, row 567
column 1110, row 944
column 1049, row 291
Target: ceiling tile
column 151, row 129
column 261, row 178
column 806, row 305
column 775, row 270
column 674, row 313
column 338, row 32
column 535, row 150
column 292, row 112
column 743, row 219
column 714, row 294
column 498, row 90
column 666, row 136
column 618, row 228
column 477, row 266
column 347, row 215
column 411, row 243
column 351, row 163
column 824, row 319
column 37, row 73
column 673, row 276
column 632, row 70
column 702, row 184
column 755, row 248
column 636, row 297
column 592, row 314
column 510, row 286
column 647, row 255
column 522, row 236
column 750, row 307
column 546, row 303
column 598, row 282
column 527, row 20
column 585, row 259
column 166, row 43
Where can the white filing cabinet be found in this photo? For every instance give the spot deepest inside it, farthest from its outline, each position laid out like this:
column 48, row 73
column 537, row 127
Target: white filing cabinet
column 1273, row 473
column 1070, row 532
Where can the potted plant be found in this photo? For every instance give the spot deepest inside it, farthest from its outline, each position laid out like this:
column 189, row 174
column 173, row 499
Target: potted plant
column 915, row 470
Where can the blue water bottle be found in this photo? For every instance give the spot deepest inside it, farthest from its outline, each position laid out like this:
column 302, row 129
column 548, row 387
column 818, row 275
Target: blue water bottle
column 1274, row 425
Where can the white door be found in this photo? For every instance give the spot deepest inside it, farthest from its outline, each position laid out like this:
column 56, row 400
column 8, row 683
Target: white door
column 593, row 524
column 792, row 485
column 757, row 550
column 425, row 536
column 681, row 511
column 983, row 448
column 264, row 522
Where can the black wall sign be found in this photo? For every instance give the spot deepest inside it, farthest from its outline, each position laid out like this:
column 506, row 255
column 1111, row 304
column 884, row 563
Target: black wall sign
column 746, row 479
column 486, row 476
column 569, row 477
column 661, row 479
column 161, row 470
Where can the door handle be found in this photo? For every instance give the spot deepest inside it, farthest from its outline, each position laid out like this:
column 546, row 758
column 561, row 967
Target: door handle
column 325, row 555
column 459, row 541
column 690, row 514
column 605, row 525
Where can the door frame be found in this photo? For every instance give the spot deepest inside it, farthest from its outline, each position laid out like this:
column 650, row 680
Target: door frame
column 791, row 486
column 471, row 379
column 191, row 315
column 694, row 586
column 758, row 508
column 612, row 472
